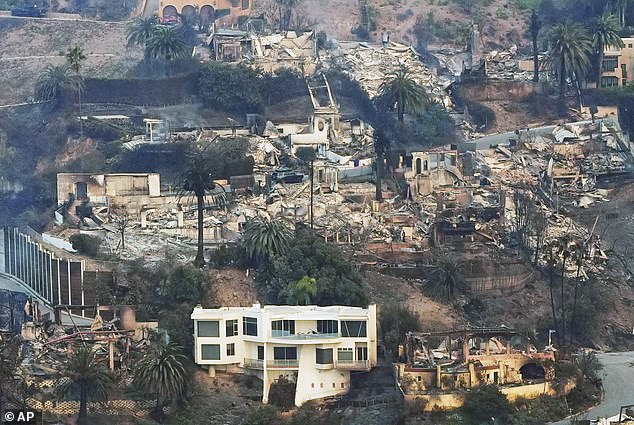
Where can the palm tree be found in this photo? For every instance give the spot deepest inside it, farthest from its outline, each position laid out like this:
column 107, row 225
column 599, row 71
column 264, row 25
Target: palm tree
column 75, row 57
column 447, row 280
column 400, row 89
column 605, row 33
column 88, row 378
column 620, row 7
column 569, row 54
column 263, row 238
column 198, row 179
column 302, row 292
column 162, row 372
column 563, row 246
column 54, row 80
column 140, row 31
column 534, row 26
column 167, row 43
column 381, row 147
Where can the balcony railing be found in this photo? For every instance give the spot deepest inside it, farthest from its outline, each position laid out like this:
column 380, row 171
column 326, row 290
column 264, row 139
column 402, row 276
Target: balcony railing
column 254, row 364
column 306, row 335
column 282, row 363
column 353, row 364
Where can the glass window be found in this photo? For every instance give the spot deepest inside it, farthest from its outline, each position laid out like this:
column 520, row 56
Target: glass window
column 609, row 81
column 245, row 4
column 209, row 328
column 250, row 326
column 232, row 327
column 323, row 355
column 327, row 327
column 345, row 355
column 260, row 352
column 362, row 353
column 231, row 349
column 285, row 353
column 610, row 64
column 210, row 351
column 354, row 328
column 283, row 327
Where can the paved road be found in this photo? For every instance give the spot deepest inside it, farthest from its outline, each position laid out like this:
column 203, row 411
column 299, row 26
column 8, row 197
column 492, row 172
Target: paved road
column 12, row 284
column 618, row 382
column 150, row 7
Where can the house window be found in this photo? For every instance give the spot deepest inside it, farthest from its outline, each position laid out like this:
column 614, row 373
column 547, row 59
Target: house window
column 327, row 327
column 343, row 385
column 232, row 327
column 250, row 326
column 334, row 385
column 260, row 352
column 362, row 353
column 283, row 327
column 231, row 349
column 323, row 355
column 354, row 328
column 609, row 64
column 285, row 353
column 345, row 355
column 609, row 81
column 629, row 46
column 209, row 328
column 624, row 70
column 245, row 4
column 210, row 351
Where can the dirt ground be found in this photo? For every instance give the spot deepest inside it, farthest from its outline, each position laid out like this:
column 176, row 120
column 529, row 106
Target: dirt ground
column 231, row 288
column 27, row 46
column 338, row 17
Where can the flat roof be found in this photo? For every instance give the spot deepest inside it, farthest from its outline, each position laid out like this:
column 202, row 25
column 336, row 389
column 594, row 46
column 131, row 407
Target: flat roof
column 307, row 312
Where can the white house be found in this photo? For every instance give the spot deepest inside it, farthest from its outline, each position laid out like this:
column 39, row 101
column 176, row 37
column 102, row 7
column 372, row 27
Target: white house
column 316, row 347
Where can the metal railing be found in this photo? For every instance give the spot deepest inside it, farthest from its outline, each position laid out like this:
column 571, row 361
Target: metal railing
column 283, row 363
column 253, row 363
column 352, row 364
column 303, row 336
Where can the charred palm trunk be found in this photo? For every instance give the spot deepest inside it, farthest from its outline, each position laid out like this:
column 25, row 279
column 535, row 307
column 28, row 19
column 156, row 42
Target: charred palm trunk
column 573, row 325
column 199, row 261
column 600, row 66
column 562, row 301
column 552, row 303
column 83, row 405
column 379, row 177
column 535, row 60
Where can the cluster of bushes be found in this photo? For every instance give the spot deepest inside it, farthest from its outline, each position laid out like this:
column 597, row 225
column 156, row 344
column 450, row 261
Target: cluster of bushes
column 241, row 88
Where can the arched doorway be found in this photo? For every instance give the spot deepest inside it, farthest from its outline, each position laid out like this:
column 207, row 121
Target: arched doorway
column 207, row 15
column 533, row 372
column 169, row 10
column 190, row 14
column 418, row 165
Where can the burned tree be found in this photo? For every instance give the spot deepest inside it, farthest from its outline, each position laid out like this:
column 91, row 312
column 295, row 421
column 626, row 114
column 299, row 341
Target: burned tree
column 121, row 220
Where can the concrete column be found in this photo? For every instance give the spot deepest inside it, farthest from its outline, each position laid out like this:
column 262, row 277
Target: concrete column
column 487, row 349
column 144, row 219
column 111, row 354
column 528, row 345
column 465, row 348
column 502, row 373
column 508, row 346
column 180, row 218
column 472, row 375
column 265, row 379
column 212, row 371
column 438, row 376
column 448, row 345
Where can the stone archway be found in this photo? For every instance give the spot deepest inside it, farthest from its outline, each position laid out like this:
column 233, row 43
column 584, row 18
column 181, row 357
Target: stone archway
column 169, row 10
column 418, row 165
column 190, row 13
column 207, row 15
column 532, row 371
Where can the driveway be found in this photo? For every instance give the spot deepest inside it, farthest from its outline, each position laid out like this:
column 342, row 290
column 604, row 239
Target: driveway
column 618, row 383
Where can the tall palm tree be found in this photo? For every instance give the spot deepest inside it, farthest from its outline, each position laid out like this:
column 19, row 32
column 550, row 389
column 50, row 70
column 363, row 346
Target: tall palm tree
column 605, row 34
column 198, row 180
column 302, row 292
column 167, row 43
column 88, row 378
column 400, row 89
column 534, row 26
column 381, row 147
column 263, row 238
column 569, row 55
column 447, row 281
column 75, row 57
column 162, row 372
column 140, row 31
column 54, row 80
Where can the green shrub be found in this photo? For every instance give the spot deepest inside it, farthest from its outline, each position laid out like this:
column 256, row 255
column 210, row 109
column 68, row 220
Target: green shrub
column 86, row 244
column 484, row 403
